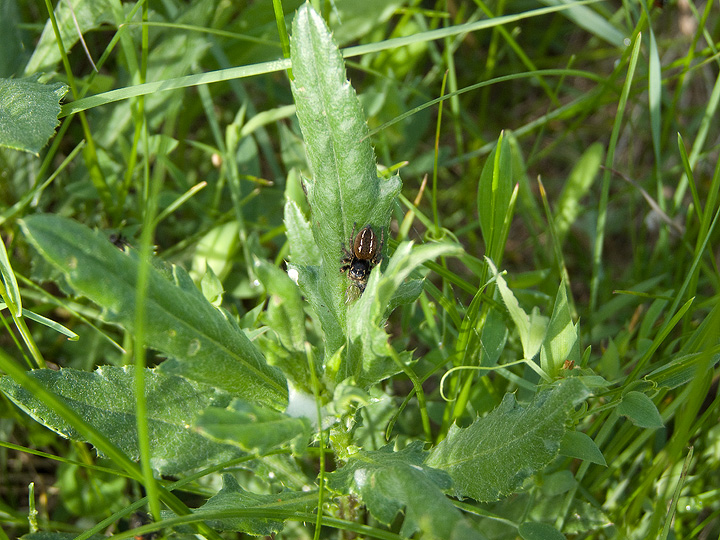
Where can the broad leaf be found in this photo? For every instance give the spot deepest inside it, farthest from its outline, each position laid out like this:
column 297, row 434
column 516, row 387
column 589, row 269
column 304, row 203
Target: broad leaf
column 578, row 445
column 388, row 482
column 29, row 113
column 492, row 457
column 252, row 428
column 105, row 398
column 641, row 410
column 345, row 189
column 203, row 342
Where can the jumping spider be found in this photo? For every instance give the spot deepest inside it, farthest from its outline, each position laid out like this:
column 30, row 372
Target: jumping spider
column 364, row 255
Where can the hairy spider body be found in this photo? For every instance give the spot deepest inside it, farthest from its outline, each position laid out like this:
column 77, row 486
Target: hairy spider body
column 365, row 254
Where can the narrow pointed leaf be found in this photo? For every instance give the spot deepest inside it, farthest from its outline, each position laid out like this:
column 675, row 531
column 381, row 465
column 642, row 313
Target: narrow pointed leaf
column 531, row 328
column 367, row 359
column 561, row 336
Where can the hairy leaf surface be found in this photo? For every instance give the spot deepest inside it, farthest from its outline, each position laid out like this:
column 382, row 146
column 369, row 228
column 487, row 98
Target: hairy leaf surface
column 105, row 399
column 204, row 343
column 232, row 498
column 492, row 457
column 252, row 428
column 29, row 113
column 344, row 191
column 388, row 482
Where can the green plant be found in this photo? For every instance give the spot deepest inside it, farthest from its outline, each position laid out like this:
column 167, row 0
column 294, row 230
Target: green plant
column 445, row 399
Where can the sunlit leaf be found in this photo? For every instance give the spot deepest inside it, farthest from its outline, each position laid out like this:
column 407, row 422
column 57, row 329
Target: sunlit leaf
column 390, row 482
column 29, row 113
column 203, row 343
column 105, row 399
column 492, row 457
column 252, row 428
column 232, row 497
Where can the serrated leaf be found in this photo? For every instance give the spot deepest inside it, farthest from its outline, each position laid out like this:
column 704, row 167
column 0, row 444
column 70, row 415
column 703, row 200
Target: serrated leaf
column 578, row 445
column 29, row 113
column 204, row 344
column 344, row 191
column 252, row 428
column 105, row 398
column 388, row 482
column 492, row 457
column 232, row 497
column 641, row 410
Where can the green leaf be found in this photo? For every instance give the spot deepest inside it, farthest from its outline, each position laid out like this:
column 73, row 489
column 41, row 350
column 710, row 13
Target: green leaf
column 252, row 428
column 531, row 328
column 204, row 343
column 284, row 343
column 285, row 308
column 680, row 370
column 388, row 481
column 641, row 410
column 591, row 21
column 367, row 359
column 345, row 190
column 492, row 457
column 82, row 15
column 29, row 113
column 105, row 398
column 232, row 498
column 11, row 45
column 9, row 282
column 581, row 178
column 539, row 531
column 561, row 337
column 57, row 536
column 493, row 197
column 576, row 444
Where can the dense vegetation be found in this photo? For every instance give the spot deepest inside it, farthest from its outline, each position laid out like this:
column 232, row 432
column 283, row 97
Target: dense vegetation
column 202, row 337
